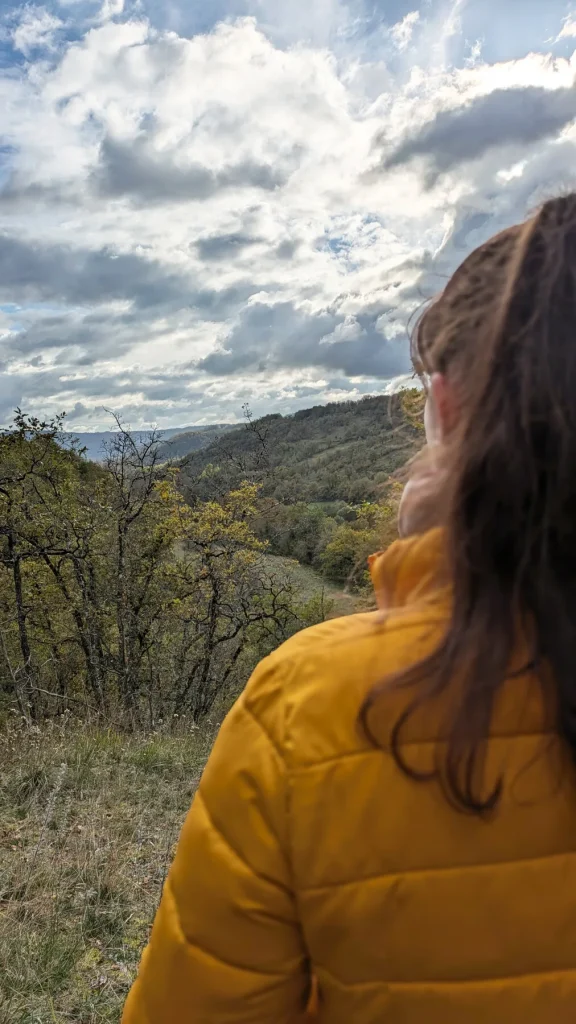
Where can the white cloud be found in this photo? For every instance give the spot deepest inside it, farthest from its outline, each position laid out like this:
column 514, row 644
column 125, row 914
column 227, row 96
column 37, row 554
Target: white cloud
column 406, row 380
column 568, row 29
column 35, row 30
column 189, row 221
column 403, row 31
column 111, row 9
column 348, row 330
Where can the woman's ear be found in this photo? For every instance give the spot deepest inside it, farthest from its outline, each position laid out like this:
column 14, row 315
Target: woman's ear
column 442, row 414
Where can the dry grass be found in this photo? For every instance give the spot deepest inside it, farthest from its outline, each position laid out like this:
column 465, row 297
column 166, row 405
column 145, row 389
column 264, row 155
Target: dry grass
column 309, row 585
column 88, row 823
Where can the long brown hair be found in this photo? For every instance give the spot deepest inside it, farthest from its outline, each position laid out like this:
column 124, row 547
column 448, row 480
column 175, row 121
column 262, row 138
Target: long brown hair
column 504, row 333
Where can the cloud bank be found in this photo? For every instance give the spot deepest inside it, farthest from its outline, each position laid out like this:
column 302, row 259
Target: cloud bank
column 203, row 206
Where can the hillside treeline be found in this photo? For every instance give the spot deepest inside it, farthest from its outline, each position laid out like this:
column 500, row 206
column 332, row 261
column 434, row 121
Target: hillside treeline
column 328, row 491
column 340, row 452
column 117, row 596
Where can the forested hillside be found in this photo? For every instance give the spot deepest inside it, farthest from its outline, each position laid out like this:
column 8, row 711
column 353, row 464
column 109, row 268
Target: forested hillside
column 343, row 451
column 327, row 490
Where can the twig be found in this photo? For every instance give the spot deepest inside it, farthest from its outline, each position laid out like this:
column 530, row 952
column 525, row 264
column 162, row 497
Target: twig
column 66, row 697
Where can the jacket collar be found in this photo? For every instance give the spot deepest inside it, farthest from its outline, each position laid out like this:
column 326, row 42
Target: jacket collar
column 410, row 569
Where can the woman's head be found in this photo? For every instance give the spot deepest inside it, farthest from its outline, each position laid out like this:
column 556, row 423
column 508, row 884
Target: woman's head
column 500, row 347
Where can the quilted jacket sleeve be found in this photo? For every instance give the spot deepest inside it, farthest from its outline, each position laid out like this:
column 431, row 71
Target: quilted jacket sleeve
column 226, row 944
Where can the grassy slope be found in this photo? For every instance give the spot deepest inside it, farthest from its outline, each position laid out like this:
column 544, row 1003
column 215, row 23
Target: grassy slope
column 88, row 822
column 309, row 584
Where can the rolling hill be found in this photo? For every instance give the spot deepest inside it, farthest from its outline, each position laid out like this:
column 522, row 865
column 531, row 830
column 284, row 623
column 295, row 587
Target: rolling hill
column 343, row 451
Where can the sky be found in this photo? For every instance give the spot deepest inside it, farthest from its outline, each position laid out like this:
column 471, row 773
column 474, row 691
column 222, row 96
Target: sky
column 207, row 203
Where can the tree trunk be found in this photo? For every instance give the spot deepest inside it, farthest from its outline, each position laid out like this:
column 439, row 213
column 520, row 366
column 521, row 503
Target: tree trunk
column 25, row 648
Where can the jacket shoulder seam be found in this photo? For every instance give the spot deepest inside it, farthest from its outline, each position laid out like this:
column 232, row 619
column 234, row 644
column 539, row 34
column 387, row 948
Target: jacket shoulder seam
column 388, row 875
column 263, row 878
column 215, row 956
column 375, row 751
column 273, row 743
column 444, row 983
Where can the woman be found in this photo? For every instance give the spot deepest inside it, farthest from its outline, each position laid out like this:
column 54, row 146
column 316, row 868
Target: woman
column 390, row 807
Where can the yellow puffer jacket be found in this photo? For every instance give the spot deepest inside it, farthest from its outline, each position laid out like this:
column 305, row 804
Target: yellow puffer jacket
column 309, row 854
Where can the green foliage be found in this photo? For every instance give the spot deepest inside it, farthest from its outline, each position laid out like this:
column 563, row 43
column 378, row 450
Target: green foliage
column 297, row 531
column 345, row 556
column 117, row 596
column 335, row 538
